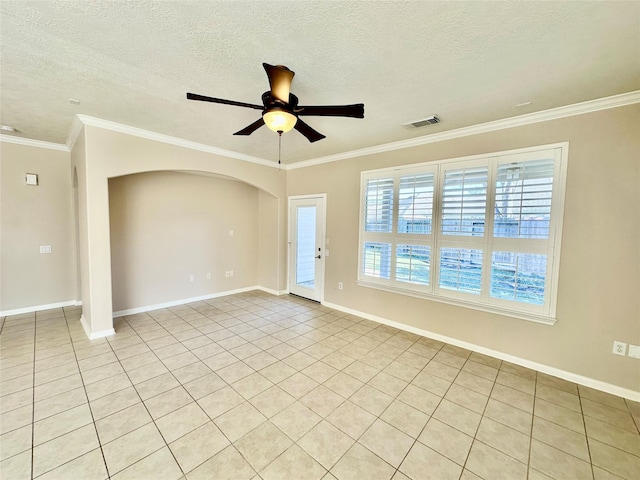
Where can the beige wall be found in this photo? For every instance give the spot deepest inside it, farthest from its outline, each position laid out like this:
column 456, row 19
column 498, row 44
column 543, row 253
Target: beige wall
column 33, row 216
column 599, row 284
column 166, row 226
column 106, row 154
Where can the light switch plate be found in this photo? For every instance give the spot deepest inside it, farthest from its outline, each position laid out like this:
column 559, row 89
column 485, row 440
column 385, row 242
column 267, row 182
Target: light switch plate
column 31, row 179
column 634, row 351
column 45, row 248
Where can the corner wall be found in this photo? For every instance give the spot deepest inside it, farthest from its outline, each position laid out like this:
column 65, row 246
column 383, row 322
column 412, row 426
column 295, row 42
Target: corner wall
column 31, row 216
column 599, row 284
column 109, row 154
column 169, row 230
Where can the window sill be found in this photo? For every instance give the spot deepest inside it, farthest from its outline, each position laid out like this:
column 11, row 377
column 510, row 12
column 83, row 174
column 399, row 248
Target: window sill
column 528, row 316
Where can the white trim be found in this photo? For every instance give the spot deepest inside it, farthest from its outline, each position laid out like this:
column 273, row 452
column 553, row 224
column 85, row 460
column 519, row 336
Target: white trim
column 38, row 308
column 159, row 137
column 459, row 302
column 527, row 119
column 540, row 367
column 33, row 143
column 173, row 303
column 76, row 128
column 273, row 292
column 589, row 106
column 95, row 335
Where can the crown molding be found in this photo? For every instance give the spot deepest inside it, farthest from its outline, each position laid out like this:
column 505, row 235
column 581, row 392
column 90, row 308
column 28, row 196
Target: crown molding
column 521, row 120
column 33, row 143
column 159, row 137
column 76, row 128
column 527, row 119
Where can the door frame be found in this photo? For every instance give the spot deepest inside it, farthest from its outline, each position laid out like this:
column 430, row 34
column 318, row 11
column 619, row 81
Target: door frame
column 323, row 225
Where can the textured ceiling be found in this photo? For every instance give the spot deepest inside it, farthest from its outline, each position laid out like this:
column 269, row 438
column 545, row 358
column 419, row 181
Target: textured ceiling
column 468, row 62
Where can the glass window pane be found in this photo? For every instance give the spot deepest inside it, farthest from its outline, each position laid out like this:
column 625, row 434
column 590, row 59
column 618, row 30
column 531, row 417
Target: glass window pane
column 464, row 201
column 518, row 276
column 413, row 264
column 523, row 199
column 461, row 269
column 377, row 259
column 306, row 246
column 378, row 209
column 415, row 204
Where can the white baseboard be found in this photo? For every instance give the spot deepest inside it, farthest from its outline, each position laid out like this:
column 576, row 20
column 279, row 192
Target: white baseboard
column 38, row 308
column 173, row 303
column 556, row 372
column 94, row 335
column 273, row 292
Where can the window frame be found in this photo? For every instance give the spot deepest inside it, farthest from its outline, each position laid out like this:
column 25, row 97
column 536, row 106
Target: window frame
column 488, row 243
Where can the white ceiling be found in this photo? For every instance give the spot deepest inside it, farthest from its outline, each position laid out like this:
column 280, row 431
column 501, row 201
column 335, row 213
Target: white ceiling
column 468, row 62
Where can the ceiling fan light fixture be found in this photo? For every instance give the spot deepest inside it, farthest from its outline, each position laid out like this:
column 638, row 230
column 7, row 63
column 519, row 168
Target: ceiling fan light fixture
column 279, row 120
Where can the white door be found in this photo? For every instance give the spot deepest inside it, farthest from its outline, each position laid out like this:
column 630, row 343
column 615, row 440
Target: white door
column 306, row 246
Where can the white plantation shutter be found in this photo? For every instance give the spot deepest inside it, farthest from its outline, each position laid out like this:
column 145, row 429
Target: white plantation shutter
column 464, row 201
column 480, row 231
column 523, row 199
column 415, row 201
column 379, row 205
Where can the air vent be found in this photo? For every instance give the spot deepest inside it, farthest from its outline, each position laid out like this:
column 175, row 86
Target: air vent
column 432, row 120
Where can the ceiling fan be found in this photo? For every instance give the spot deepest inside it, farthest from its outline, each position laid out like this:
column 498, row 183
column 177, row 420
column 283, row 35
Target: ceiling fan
column 280, row 109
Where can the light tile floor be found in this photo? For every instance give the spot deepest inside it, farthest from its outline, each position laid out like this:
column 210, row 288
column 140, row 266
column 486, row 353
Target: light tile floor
column 253, row 386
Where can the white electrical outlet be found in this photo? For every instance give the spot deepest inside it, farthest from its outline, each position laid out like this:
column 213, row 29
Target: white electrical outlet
column 619, row 348
column 227, row 273
column 231, row 273
column 191, row 278
column 634, row 351
column 45, row 248
column 340, row 286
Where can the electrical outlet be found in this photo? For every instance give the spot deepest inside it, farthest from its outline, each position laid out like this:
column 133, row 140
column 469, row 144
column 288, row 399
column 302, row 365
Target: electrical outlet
column 231, row 273
column 619, row 348
column 227, row 273
column 340, row 286
column 634, row 351
column 45, row 248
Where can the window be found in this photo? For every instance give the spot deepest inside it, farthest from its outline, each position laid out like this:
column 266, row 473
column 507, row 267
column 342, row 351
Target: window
column 481, row 231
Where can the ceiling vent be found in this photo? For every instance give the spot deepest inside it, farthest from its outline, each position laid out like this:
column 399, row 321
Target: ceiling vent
column 432, row 120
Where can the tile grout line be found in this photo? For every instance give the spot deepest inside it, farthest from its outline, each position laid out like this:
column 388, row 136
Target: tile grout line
column 533, row 418
column 33, row 394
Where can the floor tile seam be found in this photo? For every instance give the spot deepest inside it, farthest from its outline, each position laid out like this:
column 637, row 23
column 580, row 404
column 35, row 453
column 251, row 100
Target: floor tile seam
column 563, row 451
column 636, row 455
column 153, row 420
column 111, row 475
column 19, row 376
column 482, row 416
column 93, row 420
column 17, row 408
column 33, row 401
column 625, row 409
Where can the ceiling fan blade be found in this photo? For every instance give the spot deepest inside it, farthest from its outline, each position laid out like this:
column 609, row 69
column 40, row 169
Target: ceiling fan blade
column 251, row 128
column 355, row 111
column 195, row 96
column 311, row 134
column 280, row 81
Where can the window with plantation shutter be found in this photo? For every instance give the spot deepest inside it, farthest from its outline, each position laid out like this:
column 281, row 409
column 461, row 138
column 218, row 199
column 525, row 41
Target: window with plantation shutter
column 481, row 232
